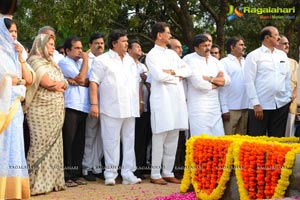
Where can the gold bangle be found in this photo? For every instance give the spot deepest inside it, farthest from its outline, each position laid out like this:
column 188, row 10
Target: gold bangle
column 22, row 61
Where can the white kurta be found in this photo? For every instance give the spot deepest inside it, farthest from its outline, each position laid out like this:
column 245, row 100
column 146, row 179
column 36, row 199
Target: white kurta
column 203, row 101
column 167, row 99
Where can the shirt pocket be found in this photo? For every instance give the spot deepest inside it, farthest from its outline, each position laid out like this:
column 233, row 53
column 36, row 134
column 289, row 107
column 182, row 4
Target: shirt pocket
column 282, row 68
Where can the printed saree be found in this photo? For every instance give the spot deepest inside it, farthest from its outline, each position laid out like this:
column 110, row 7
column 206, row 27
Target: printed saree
column 45, row 117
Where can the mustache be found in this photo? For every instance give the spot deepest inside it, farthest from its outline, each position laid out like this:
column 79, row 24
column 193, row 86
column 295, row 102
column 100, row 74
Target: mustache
column 99, row 47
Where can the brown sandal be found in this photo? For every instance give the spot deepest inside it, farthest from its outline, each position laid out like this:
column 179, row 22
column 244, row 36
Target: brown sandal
column 70, row 183
column 80, row 182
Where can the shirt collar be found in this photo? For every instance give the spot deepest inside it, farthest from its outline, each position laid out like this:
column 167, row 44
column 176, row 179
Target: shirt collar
column 91, row 55
column 203, row 57
column 266, row 49
column 232, row 57
column 114, row 54
column 71, row 59
column 160, row 48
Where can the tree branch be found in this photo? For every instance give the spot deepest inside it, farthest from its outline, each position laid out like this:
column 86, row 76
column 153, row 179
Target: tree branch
column 209, row 9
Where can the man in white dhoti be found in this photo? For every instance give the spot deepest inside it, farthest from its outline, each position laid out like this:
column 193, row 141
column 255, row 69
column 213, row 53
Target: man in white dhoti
column 167, row 102
column 203, row 102
column 115, row 79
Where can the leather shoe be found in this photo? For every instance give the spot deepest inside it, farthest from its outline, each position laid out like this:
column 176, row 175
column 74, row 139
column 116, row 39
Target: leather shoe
column 100, row 175
column 158, row 181
column 172, row 180
column 90, row 176
column 139, row 175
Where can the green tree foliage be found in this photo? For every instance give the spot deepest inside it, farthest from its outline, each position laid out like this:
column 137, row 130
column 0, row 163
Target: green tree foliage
column 186, row 18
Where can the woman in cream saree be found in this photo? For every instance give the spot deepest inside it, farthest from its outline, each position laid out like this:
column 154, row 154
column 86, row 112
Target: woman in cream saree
column 45, row 116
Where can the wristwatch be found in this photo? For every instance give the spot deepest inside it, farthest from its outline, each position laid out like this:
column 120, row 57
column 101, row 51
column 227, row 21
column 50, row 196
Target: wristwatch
column 173, row 72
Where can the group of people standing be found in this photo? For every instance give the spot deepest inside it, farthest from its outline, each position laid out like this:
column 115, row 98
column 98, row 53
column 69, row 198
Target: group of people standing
column 83, row 106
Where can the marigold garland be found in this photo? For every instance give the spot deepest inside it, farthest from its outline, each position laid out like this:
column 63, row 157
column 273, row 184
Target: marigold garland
column 262, row 165
column 210, row 173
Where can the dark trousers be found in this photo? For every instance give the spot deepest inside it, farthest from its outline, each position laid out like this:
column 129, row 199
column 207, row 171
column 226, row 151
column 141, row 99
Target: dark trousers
column 143, row 136
column 73, row 141
column 273, row 123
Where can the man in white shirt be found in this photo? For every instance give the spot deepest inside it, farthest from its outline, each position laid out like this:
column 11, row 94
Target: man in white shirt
column 142, row 123
column 75, row 69
column 93, row 149
column 115, row 80
column 167, row 102
column 284, row 45
column 234, row 99
column 208, row 74
column 268, row 85
column 178, row 170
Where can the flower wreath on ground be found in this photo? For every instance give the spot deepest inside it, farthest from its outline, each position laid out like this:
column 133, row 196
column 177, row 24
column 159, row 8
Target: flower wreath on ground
column 262, row 165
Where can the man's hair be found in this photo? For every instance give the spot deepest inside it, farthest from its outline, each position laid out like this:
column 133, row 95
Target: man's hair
column 215, row 46
column 58, row 47
column 130, row 42
column 68, row 42
column 114, row 36
column 45, row 28
column 265, row 31
column 8, row 7
column 158, row 27
column 95, row 36
column 198, row 39
column 232, row 42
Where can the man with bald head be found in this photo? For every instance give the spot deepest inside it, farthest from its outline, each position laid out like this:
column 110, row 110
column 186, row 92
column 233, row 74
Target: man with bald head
column 284, row 45
column 268, row 85
column 176, row 46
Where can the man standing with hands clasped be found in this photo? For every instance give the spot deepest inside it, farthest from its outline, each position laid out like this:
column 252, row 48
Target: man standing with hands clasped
column 167, row 102
column 268, row 85
column 115, row 80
